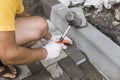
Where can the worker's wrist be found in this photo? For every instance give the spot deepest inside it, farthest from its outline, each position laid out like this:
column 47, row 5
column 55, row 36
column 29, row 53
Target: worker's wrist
column 44, row 54
column 40, row 55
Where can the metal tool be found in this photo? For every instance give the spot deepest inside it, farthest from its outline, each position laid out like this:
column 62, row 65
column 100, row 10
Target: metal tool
column 74, row 21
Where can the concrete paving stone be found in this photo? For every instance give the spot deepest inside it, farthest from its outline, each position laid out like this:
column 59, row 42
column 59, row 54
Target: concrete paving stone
column 57, row 73
column 35, row 67
column 25, row 72
column 38, row 72
column 72, row 70
column 39, row 76
column 64, row 76
column 47, row 4
column 75, row 54
column 90, row 72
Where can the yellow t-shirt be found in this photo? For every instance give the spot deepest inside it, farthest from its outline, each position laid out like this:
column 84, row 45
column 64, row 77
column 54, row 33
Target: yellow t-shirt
column 8, row 10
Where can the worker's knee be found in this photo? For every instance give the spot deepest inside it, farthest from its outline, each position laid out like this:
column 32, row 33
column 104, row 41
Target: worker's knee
column 29, row 29
column 41, row 28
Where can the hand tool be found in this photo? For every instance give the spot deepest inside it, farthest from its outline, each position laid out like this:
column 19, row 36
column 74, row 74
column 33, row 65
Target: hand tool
column 73, row 20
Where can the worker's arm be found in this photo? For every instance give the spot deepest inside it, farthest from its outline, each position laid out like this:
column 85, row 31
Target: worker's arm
column 12, row 54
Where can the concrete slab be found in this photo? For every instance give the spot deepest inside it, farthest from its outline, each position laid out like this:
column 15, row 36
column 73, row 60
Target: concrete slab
column 38, row 77
column 90, row 72
column 57, row 73
column 73, row 71
column 38, row 72
column 75, row 54
column 64, row 76
column 25, row 72
column 101, row 51
column 47, row 4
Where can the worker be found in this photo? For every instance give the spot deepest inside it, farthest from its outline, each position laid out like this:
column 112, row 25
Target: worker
column 19, row 31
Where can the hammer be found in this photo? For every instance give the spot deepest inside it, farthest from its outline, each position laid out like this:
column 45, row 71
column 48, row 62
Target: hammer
column 73, row 20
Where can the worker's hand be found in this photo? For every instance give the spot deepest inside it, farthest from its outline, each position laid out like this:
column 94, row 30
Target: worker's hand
column 66, row 40
column 53, row 49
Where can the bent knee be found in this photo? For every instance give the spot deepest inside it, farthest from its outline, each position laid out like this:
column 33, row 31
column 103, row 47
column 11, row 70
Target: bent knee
column 42, row 27
column 30, row 29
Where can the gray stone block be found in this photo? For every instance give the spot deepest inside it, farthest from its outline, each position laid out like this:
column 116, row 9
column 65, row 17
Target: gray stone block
column 37, row 76
column 47, row 5
column 25, row 72
column 72, row 70
column 75, row 54
column 64, row 76
column 38, row 72
column 35, row 67
column 57, row 73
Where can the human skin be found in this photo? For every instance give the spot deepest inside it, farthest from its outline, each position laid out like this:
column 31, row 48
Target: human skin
column 13, row 50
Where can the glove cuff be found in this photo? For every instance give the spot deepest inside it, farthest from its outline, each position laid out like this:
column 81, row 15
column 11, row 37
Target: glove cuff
column 53, row 50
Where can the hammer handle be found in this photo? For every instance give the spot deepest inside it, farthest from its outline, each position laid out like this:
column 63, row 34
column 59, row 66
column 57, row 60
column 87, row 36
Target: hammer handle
column 65, row 33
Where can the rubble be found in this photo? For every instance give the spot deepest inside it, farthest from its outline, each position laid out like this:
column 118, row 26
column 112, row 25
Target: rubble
column 117, row 14
column 33, row 7
column 115, row 23
column 107, row 21
column 99, row 3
